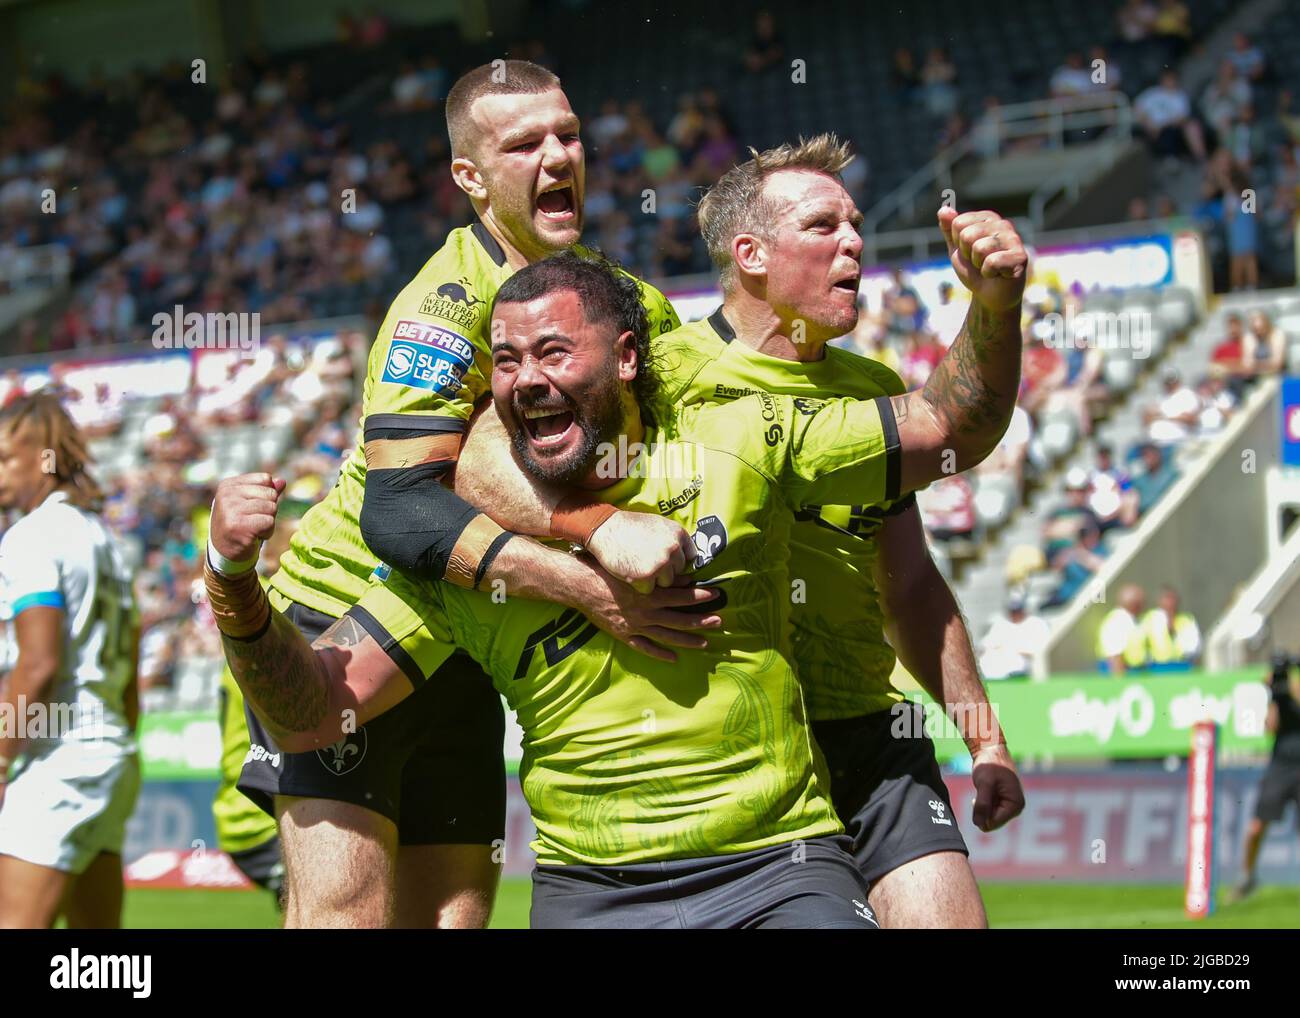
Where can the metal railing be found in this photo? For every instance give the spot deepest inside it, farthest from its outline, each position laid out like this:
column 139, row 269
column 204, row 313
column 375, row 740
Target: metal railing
column 1048, row 119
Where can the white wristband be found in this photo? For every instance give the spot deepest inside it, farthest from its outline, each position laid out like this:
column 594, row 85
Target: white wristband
column 229, row 567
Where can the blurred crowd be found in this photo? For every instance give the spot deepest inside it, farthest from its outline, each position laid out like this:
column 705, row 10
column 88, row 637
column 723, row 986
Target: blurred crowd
column 289, row 407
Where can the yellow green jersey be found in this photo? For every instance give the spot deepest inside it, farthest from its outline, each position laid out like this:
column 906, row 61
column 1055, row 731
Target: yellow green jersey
column 629, row 759
column 839, row 641
column 240, row 824
column 428, row 368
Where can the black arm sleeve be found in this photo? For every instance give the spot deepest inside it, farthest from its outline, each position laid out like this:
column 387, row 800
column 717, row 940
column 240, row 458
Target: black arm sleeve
column 409, row 518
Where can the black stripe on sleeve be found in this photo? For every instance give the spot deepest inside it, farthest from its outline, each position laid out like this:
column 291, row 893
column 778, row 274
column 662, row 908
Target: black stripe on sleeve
column 404, row 425
column 893, row 448
column 389, row 645
column 493, row 550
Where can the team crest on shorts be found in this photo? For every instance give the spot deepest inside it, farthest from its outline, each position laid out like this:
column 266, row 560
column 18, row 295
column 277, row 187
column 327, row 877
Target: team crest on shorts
column 710, row 539
column 344, row 755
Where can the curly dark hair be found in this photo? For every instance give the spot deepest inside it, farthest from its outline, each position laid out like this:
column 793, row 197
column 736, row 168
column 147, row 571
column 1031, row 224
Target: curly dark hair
column 607, row 294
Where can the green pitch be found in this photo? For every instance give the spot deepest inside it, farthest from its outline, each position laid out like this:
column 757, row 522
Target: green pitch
column 1010, row 906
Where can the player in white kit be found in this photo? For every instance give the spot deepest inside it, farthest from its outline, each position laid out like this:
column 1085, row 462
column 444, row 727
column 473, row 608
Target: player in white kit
column 69, row 774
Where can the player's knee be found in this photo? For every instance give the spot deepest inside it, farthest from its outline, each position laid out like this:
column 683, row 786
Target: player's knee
column 338, row 863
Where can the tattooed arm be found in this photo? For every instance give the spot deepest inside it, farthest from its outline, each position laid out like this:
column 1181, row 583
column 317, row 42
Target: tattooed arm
column 960, row 415
column 310, row 695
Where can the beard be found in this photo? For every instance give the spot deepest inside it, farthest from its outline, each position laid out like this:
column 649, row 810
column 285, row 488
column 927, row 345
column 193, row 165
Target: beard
column 600, row 422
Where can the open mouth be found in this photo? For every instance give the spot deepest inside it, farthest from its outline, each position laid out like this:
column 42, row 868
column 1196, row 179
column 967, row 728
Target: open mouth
column 558, row 203
column 547, row 427
column 849, row 285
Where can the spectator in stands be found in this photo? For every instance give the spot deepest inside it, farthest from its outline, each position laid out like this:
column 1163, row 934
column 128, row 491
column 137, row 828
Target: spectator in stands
column 1217, row 404
column 1173, row 637
column 1263, row 350
column 1121, row 641
column 1109, row 492
column 1134, row 21
column 1008, row 458
column 946, row 318
column 717, row 151
column 938, row 83
column 1164, row 114
column 610, row 124
column 903, row 310
column 1224, row 98
column 869, row 338
column 948, row 508
column 904, row 76
column 1227, row 357
column 1155, row 476
column 410, row 90
column 1247, row 58
column 921, row 355
column 1176, row 415
column 1043, row 370
column 1077, row 564
column 986, row 134
column 1065, row 522
column 1173, row 27
column 1012, row 642
column 1072, row 78
column 1241, row 221
column 766, row 48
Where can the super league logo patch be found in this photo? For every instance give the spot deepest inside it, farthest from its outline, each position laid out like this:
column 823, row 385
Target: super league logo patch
column 344, row 755
column 428, row 357
column 710, row 539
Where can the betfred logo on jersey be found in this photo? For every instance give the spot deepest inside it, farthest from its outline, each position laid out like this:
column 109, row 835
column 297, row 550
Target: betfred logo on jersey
column 428, row 357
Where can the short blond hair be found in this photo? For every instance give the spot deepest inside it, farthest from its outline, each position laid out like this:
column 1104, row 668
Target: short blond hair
column 735, row 204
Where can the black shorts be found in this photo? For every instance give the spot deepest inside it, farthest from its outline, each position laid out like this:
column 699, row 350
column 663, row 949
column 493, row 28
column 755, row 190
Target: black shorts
column 433, row 764
column 809, row 884
column 888, row 789
column 263, row 865
column 1280, row 785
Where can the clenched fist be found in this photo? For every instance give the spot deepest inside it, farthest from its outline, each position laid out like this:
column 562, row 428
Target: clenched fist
column 243, row 514
column 988, row 256
column 642, row 550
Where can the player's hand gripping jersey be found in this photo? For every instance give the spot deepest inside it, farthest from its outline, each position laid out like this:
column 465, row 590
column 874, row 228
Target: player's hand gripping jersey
column 839, row 640
column 427, row 369
column 630, row 759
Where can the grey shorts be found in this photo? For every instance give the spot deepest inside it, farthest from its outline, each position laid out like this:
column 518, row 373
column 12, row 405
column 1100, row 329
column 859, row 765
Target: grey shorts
column 811, row 884
column 888, row 791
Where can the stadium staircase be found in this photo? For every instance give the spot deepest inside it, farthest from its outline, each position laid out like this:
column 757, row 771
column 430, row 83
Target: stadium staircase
column 1178, row 541
column 982, row 586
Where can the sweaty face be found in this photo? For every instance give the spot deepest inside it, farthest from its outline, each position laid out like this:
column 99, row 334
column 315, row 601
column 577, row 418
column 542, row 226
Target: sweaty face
column 533, row 166
column 814, row 252
column 558, row 384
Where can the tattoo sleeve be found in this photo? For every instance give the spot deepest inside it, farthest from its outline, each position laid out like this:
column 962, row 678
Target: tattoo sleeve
column 973, row 389
column 281, row 676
